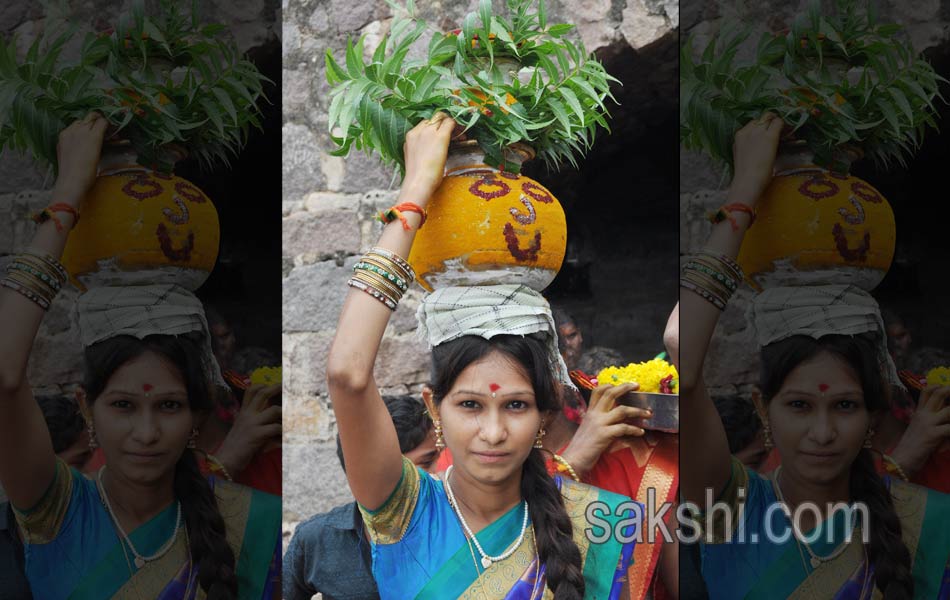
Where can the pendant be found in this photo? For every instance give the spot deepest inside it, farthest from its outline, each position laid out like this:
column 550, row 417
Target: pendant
column 815, row 563
column 139, row 562
column 486, row 562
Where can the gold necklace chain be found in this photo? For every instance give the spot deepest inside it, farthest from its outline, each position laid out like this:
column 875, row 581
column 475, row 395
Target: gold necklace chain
column 816, row 561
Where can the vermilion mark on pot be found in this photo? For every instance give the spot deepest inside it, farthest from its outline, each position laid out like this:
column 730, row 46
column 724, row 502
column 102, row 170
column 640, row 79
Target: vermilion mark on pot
column 176, row 254
column 859, row 254
column 522, row 254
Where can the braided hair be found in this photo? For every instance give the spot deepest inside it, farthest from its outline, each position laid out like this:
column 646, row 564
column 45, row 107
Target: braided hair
column 210, row 551
column 552, row 526
column 886, row 549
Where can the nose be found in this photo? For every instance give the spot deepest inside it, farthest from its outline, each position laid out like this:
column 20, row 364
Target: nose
column 823, row 428
column 492, row 428
column 145, row 429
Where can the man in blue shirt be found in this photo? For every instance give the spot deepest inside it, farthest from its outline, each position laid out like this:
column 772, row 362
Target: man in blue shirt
column 329, row 553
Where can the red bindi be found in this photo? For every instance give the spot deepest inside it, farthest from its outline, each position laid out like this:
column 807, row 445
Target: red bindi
column 494, row 387
column 823, row 387
column 147, row 387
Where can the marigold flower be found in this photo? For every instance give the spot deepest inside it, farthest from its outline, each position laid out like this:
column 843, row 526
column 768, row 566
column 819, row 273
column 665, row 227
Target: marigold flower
column 653, row 376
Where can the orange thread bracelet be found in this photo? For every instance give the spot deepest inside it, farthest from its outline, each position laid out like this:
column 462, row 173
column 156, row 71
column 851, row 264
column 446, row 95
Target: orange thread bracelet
column 745, row 208
column 48, row 214
column 395, row 212
column 724, row 213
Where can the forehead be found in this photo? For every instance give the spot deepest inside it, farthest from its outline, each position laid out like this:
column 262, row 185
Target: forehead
column 823, row 372
column 493, row 370
column 148, row 369
column 567, row 329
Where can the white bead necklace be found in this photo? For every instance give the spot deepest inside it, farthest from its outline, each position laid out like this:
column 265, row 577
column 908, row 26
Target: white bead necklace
column 815, row 560
column 486, row 559
column 140, row 561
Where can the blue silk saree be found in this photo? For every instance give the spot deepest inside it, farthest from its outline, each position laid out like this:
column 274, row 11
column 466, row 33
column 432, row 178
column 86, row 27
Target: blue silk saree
column 74, row 552
column 420, row 551
column 776, row 568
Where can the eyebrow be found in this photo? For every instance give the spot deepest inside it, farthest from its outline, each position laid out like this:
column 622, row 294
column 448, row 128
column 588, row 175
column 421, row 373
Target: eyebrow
column 515, row 393
column 141, row 394
column 850, row 393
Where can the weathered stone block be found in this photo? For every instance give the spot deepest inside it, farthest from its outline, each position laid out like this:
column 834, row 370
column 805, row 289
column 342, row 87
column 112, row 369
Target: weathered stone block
column 314, row 482
column 314, row 294
column 326, row 233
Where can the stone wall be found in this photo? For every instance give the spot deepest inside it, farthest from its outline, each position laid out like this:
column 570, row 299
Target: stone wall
column 731, row 366
column 329, row 203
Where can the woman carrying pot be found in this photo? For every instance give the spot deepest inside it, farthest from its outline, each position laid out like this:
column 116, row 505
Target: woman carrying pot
column 148, row 524
column 496, row 525
column 824, row 380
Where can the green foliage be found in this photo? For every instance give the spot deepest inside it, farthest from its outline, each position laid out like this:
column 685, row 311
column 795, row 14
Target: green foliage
column 163, row 79
column 472, row 74
column 836, row 81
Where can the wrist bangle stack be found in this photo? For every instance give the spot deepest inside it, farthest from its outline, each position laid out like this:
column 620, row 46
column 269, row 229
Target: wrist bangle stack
column 38, row 277
column 713, row 276
column 383, row 275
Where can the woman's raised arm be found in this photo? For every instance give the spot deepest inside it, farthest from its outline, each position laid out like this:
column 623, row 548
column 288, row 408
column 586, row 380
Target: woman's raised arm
column 705, row 460
column 370, row 446
column 27, row 460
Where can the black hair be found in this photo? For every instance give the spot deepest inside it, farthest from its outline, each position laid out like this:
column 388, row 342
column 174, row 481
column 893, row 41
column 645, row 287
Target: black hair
column 411, row 421
column 886, row 550
column 552, row 526
column 562, row 318
column 210, row 550
column 739, row 419
column 63, row 419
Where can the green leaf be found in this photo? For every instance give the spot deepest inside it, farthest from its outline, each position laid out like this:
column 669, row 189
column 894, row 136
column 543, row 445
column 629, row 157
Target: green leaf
column 902, row 103
column 390, row 127
column 558, row 109
column 484, row 11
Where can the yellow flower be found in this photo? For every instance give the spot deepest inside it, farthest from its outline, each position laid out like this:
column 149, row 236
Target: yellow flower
column 266, row 376
column 939, row 376
column 648, row 374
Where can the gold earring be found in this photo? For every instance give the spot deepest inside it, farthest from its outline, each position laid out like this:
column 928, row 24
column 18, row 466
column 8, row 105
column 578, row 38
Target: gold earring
column 767, row 430
column 867, row 439
column 93, row 441
column 537, row 441
column 193, row 440
column 439, row 440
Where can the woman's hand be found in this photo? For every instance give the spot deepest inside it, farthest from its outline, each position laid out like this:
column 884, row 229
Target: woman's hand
column 604, row 422
column 425, row 150
column 753, row 153
column 77, row 154
column 255, row 425
column 929, row 427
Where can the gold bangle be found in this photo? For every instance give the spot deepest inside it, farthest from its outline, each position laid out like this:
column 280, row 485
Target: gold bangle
column 900, row 471
column 216, row 465
column 377, row 282
column 567, row 466
column 390, row 286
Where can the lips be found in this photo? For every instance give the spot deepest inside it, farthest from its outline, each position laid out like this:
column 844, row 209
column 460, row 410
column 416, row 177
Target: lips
column 144, row 456
column 491, row 457
column 820, row 456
